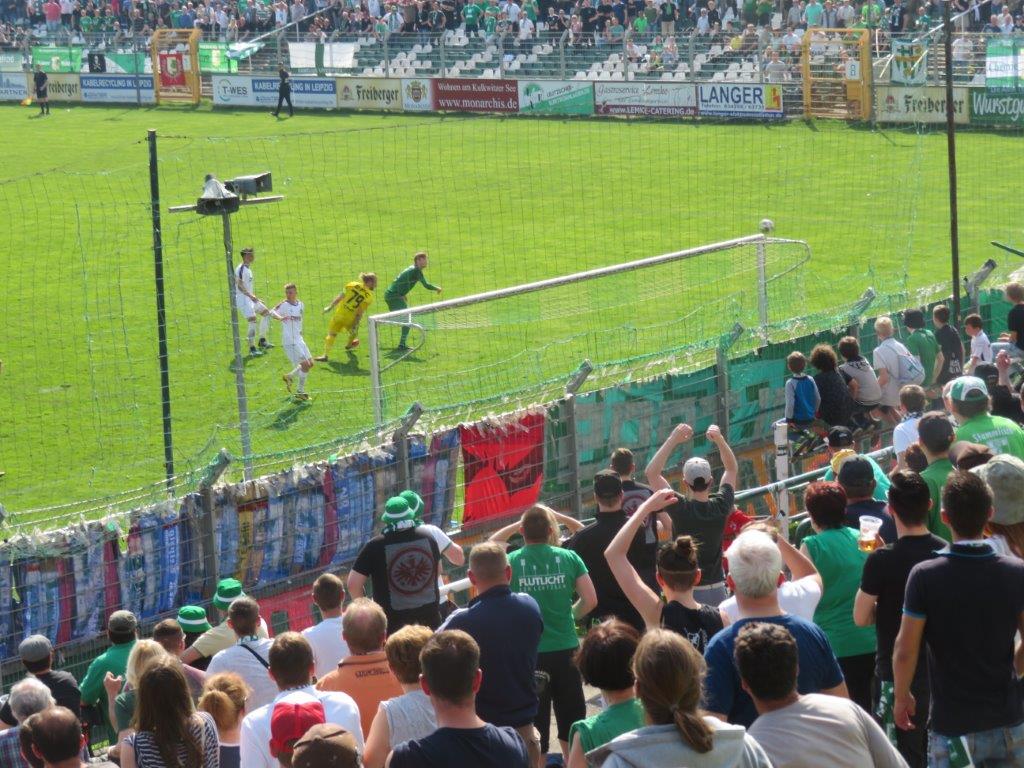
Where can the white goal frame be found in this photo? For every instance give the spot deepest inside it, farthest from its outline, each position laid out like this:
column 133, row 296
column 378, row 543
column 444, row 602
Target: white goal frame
column 404, row 317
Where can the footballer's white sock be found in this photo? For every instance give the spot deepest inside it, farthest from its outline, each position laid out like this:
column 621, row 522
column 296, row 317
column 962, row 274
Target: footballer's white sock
column 302, row 380
column 251, row 335
column 297, row 370
column 264, row 322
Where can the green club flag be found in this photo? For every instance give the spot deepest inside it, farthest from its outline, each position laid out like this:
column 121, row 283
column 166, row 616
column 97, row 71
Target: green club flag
column 1001, row 65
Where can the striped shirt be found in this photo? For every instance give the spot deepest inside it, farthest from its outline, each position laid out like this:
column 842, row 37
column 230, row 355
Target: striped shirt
column 202, row 728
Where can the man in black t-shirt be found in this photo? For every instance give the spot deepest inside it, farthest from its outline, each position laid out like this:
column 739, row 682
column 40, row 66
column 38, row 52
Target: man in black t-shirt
column 950, row 360
column 880, row 602
column 402, row 564
column 1015, row 318
column 591, row 542
column 704, row 514
column 634, row 494
column 965, row 606
column 37, row 657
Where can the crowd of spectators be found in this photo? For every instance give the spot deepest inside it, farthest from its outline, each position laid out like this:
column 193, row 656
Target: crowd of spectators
column 885, row 634
column 649, row 32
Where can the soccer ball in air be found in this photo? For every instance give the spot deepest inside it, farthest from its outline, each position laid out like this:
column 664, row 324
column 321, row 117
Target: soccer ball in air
column 767, row 225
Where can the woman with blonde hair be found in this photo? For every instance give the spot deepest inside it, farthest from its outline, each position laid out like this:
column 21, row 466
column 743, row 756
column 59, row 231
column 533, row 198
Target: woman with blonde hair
column 669, row 673
column 224, row 698
column 121, row 691
column 169, row 733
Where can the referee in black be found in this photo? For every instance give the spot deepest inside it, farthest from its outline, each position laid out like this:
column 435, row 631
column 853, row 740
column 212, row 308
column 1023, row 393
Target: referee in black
column 284, row 91
column 42, row 82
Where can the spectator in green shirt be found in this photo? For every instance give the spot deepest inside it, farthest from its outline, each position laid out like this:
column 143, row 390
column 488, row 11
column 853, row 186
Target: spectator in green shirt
column 969, row 402
column 835, row 552
column 554, row 576
column 640, row 25
column 122, row 628
column 922, row 345
column 605, row 660
column 935, row 435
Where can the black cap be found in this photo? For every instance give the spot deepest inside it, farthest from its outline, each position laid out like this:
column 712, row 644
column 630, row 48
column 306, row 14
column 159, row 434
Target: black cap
column 840, row 437
column 913, row 318
column 856, row 471
column 607, row 484
column 987, row 373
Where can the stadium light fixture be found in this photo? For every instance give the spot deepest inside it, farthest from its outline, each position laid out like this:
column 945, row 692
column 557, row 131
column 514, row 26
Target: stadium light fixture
column 225, row 199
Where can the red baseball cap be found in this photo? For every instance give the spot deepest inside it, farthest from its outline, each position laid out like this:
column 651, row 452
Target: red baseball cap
column 290, row 721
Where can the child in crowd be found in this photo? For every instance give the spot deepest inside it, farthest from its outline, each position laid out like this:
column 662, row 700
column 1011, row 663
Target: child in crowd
column 802, row 396
column 913, row 401
column 981, row 347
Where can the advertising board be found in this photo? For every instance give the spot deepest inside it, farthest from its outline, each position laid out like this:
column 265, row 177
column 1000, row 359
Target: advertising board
column 993, row 108
column 118, row 89
column 417, row 95
column 64, row 88
column 375, row 93
column 647, row 99
column 761, row 101
column 923, row 104
column 243, row 91
column 555, row 97
column 13, row 86
column 452, row 95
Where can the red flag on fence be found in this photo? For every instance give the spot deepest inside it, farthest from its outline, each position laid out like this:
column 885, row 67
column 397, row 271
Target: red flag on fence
column 504, row 467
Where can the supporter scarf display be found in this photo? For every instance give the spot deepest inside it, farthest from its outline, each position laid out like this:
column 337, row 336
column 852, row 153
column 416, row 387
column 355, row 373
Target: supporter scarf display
column 504, row 466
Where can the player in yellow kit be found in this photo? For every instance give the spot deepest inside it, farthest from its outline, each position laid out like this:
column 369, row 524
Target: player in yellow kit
column 349, row 306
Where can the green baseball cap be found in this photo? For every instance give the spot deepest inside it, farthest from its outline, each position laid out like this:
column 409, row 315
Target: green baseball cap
column 192, row 619
column 227, row 590
column 968, row 389
column 415, row 502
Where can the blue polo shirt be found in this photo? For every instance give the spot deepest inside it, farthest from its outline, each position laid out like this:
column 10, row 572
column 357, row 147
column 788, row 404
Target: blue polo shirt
column 818, row 668
column 507, row 626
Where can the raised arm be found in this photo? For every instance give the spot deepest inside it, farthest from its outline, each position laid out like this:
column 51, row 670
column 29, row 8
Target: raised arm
column 502, row 535
column 732, row 467
column 656, row 467
column 637, row 592
column 333, row 304
column 800, row 565
column 571, row 523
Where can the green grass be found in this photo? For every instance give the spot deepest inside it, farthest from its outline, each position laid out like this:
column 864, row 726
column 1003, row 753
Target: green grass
column 497, row 202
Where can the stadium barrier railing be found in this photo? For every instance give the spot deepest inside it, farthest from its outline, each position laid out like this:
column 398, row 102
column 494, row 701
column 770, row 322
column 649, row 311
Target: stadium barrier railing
column 277, row 532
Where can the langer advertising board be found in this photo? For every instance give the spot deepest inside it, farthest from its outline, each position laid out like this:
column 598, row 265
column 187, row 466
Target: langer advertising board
column 756, row 100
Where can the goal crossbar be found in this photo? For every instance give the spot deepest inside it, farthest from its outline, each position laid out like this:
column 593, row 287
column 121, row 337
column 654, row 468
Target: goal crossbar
column 404, row 316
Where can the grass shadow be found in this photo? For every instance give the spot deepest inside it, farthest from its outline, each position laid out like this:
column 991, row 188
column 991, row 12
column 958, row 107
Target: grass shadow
column 349, row 368
column 288, row 415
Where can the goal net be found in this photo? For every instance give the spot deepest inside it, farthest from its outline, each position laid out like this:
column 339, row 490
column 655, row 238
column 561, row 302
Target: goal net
column 511, row 346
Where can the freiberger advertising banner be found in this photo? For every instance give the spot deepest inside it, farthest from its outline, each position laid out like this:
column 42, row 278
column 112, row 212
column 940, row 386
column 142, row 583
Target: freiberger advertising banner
column 376, row 93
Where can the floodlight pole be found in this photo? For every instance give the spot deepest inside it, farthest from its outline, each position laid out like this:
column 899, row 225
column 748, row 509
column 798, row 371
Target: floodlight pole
column 239, row 365
column 161, row 314
column 954, row 234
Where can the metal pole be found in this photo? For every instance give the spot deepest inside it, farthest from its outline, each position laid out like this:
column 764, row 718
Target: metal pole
column 954, row 233
column 400, row 439
column 161, row 315
column 137, row 75
column 762, row 286
column 569, row 405
column 243, row 400
column 378, row 405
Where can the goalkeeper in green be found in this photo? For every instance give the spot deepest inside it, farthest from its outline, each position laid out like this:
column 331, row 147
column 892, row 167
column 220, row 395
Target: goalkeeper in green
column 398, row 290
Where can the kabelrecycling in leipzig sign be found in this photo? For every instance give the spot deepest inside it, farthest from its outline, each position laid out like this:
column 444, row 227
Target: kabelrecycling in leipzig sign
column 127, row 89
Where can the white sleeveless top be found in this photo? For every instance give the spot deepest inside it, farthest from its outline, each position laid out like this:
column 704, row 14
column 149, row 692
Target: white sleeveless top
column 410, row 716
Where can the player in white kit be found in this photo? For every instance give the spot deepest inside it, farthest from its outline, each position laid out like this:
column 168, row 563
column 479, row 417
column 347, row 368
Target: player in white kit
column 248, row 305
column 290, row 312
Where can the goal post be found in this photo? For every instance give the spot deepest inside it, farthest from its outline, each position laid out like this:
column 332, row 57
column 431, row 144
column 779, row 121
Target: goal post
column 175, row 57
column 483, row 347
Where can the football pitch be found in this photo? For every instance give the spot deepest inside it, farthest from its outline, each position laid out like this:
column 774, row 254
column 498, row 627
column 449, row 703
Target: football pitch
column 496, row 201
